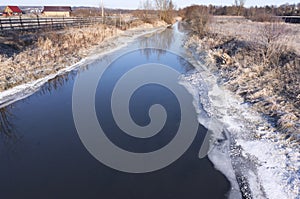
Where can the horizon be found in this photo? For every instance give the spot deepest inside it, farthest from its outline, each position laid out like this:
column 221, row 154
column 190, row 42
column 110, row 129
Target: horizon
column 118, row 4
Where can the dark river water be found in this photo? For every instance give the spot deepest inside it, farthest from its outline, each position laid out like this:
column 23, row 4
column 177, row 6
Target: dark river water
column 42, row 156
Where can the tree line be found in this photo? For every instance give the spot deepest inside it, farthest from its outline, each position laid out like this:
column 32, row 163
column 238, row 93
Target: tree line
column 165, row 10
column 256, row 13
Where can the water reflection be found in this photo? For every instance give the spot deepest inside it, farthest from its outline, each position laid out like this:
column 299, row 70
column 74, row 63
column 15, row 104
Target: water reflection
column 148, row 52
column 160, row 54
column 168, row 39
column 184, row 63
column 57, row 82
column 7, row 130
column 159, row 40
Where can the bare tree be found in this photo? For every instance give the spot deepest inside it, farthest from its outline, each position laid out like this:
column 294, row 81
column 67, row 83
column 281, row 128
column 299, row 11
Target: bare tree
column 199, row 18
column 147, row 5
column 159, row 6
column 269, row 36
column 239, row 4
column 144, row 10
column 165, row 9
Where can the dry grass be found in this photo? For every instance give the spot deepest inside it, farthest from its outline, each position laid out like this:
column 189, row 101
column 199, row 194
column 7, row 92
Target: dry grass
column 198, row 18
column 246, row 30
column 49, row 54
column 52, row 52
column 261, row 63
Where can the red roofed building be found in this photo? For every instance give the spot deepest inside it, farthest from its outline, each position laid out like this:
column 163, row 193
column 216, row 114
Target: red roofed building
column 12, row 10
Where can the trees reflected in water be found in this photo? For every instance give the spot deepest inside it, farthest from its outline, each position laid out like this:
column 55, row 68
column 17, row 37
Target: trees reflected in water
column 57, row 82
column 7, row 129
column 185, row 64
column 157, row 43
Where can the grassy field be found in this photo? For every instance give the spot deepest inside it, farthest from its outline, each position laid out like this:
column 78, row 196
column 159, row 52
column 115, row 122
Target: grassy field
column 260, row 62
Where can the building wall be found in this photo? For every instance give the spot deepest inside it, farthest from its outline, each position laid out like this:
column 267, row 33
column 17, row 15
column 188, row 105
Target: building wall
column 56, row 14
column 7, row 10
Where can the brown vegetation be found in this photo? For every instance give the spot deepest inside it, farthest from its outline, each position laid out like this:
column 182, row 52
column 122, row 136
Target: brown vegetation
column 148, row 16
column 261, row 63
column 163, row 9
column 87, row 12
column 198, row 18
column 52, row 52
column 261, row 14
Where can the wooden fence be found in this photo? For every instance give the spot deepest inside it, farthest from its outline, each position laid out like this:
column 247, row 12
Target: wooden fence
column 29, row 24
column 291, row 19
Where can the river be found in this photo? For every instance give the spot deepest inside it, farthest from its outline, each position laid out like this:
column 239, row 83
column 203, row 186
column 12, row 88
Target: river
column 43, row 156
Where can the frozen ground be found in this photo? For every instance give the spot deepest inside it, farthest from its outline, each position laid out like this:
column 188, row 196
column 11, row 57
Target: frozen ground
column 264, row 165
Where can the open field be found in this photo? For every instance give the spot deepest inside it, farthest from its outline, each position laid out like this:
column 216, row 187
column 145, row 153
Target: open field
column 247, row 30
column 260, row 62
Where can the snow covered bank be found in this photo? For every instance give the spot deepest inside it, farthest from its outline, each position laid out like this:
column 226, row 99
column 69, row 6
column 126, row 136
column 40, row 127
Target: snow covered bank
column 265, row 164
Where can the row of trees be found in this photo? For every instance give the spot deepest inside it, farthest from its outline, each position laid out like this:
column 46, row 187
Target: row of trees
column 165, row 10
column 199, row 16
column 238, row 9
column 265, row 13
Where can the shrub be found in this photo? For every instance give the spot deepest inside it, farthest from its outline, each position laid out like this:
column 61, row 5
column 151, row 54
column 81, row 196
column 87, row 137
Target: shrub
column 198, row 18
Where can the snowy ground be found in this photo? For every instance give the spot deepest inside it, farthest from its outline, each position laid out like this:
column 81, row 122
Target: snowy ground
column 264, row 166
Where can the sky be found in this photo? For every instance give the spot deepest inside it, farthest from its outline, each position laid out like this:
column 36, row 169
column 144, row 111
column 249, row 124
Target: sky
column 133, row 4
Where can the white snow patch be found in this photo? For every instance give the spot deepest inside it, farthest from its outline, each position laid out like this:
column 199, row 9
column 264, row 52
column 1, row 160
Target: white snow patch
column 277, row 164
column 271, row 167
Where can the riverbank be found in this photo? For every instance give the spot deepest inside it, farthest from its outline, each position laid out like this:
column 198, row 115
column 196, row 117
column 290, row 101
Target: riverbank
column 53, row 55
column 256, row 97
column 260, row 63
